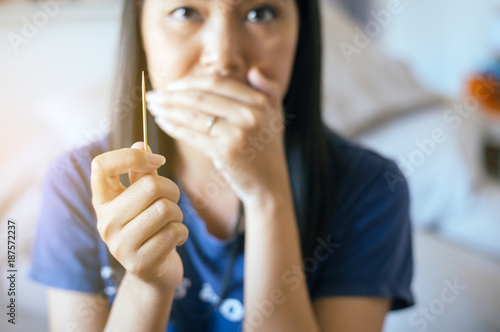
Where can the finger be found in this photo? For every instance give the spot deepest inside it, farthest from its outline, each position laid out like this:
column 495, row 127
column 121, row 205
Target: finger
column 137, row 198
column 199, row 101
column 221, row 134
column 196, row 121
column 272, row 89
column 151, row 221
column 160, row 244
column 228, row 87
column 107, row 167
column 134, row 176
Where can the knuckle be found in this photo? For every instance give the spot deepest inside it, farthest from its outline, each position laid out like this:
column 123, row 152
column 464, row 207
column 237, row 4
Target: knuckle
column 231, row 153
column 130, row 156
column 171, row 188
column 173, row 234
column 181, row 234
column 179, row 216
column 140, row 262
column 96, row 203
column 199, row 96
column 184, row 233
column 191, row 116
column 176, row 193
column 96, row 165
column 239, row 135
column 261, row 100
column 251, row 118
column 151, row 185
column 114, row 248
column 162, row 207
column 215, row 79
column 169, row 233
column 103, row 229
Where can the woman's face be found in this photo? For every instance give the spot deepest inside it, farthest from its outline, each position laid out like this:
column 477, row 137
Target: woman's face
column 192, row 38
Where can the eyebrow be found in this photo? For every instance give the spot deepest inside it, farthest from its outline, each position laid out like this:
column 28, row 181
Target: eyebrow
column 284, row 1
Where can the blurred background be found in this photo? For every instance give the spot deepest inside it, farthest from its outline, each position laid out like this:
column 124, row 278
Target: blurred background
column 417, row 81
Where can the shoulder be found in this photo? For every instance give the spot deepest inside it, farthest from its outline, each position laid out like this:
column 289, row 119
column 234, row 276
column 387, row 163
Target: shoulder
column 351, row 157
column 70, row 260
column 359, row 171
column 370, row 226
column 66, row 189
column 369, row 189
column 76, row 163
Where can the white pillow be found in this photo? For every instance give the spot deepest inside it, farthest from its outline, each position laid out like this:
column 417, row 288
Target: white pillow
column 442, row 164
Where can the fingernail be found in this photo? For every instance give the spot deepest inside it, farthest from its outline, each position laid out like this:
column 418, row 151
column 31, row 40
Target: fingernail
column 149, row 96
column 150, row 106
column 154, row 96
column 154, row 108
column 155, row 159
column 175, row 85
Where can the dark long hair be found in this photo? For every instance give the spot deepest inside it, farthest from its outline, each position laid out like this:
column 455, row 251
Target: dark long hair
column 305, row 135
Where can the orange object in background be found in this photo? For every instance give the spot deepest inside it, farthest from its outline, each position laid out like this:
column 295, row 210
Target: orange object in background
column 486, row 88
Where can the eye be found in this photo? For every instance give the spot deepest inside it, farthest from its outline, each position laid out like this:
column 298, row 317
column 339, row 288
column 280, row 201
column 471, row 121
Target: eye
column 262, row 14
column 186, row 14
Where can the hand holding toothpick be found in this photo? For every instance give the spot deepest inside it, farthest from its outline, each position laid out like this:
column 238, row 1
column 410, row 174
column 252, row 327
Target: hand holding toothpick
column 139, row 237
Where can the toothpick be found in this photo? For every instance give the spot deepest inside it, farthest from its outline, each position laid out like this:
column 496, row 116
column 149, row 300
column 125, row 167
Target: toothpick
column 144, row 114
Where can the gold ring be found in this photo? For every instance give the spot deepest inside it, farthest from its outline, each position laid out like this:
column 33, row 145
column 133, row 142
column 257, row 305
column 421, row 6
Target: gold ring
column 210, row 123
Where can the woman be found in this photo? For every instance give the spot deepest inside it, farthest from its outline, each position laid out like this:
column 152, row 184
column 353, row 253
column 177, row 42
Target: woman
column 291, row 228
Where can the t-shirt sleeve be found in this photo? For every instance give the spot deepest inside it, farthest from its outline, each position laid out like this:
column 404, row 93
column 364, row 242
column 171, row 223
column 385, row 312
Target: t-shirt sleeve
column 372, row 233
column 66, row 247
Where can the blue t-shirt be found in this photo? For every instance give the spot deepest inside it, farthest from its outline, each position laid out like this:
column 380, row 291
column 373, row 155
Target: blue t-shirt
column 367, row 252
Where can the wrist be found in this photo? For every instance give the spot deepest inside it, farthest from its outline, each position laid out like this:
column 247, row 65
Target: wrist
column 149, row 290
column 273, row 196
column 273, row 204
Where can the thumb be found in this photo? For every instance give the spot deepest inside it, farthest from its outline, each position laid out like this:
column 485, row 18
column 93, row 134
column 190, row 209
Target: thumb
column 134, row 176
column 259, row 81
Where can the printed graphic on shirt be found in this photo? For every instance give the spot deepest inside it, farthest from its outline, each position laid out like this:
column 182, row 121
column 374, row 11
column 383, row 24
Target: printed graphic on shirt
column 181, row 290
column 107, row 272
column 231, row 309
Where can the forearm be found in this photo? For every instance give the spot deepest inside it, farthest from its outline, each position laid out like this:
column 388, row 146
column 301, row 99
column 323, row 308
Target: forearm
column 274, row 300
column 138, row 307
